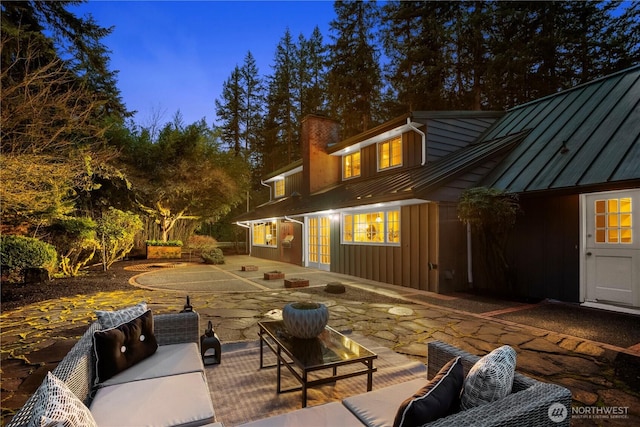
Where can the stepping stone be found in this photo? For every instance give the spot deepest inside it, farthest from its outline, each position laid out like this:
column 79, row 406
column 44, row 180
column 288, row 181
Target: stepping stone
column 335, row 288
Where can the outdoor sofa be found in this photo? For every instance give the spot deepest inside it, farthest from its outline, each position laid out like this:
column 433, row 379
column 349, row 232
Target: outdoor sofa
column 167, row 388
column 528, row 404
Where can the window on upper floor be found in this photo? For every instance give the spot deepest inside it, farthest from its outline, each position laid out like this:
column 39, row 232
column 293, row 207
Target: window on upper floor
column 390, row 153
column 376, row 227
column 265, row 233
column 351, row 165
column 279, row 188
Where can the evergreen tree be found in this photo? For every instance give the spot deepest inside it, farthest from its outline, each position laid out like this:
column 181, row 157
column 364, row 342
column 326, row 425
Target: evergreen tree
column 253, row 97
column 354, row 78
column 469, row 55
column 240, row 107
column 417, row 69
column 229, row 110
column 623, row 38
column 281, row 124
column 58, row 99
column 312, row 64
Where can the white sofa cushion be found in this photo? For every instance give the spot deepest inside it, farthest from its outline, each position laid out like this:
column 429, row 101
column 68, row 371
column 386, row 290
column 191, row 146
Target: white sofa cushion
column 170, row 359
column 378, row 408
column 330, row 414
column 182, row 400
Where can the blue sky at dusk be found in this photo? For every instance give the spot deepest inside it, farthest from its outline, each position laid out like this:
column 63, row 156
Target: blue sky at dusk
column 175, row 55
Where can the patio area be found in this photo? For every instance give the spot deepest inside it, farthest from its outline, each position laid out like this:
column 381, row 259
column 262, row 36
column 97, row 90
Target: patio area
column 601, row 368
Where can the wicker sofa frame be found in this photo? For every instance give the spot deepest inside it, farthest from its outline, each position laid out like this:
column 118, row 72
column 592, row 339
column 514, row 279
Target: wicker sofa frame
column 77, row 368
column 527, row 405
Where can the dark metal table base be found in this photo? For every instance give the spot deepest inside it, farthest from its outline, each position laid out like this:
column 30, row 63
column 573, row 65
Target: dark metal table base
column 286, row 359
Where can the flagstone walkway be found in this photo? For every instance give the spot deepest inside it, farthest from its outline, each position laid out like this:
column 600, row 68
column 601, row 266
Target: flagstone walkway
column 599, row 375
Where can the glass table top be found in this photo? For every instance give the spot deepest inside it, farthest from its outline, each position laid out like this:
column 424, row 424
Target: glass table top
column 329, row 348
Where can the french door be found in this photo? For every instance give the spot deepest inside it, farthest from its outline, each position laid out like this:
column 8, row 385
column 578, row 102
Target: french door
column 319, row 242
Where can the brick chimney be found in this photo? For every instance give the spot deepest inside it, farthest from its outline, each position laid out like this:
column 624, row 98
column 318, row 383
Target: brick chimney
column 319, row 169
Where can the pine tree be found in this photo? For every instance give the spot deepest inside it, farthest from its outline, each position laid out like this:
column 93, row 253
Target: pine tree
column 229, row 111
column 623, row 40
column 418, row 69
column 281, row 124
column 312, row 64
column 354, row 78
column 253, row 105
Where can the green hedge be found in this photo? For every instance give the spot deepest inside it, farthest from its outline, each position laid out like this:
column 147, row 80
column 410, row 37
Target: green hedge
column 18, row 253
column 161, row 243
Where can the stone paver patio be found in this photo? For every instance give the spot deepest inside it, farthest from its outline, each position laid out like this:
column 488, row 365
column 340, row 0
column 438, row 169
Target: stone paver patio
column 601, row 375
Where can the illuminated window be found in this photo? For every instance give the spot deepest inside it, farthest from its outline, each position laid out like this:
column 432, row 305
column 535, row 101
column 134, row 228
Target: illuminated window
column 379, row 227
column 351, row 165
column 265, row 233
column 393, row 227
column 279, row 188
column 613, row 221
column 390, row 153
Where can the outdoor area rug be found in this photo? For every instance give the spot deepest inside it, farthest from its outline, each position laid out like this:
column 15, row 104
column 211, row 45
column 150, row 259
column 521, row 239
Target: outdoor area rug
column 241, row 392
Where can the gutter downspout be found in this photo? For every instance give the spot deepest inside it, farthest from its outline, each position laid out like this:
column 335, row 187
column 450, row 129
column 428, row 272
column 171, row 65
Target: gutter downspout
column 304, row 233
column 424, row 141
column 267, row 185
column 469, row 259
column 248, row 228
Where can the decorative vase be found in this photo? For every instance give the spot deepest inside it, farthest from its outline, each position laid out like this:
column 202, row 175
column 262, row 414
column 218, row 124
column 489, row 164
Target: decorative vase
column 305, row 319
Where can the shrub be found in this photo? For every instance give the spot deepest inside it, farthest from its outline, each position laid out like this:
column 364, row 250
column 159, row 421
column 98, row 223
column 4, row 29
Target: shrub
column 18, row 253
column 117, row 229
column 199, row 242
column 163, row 243
column 76, row 243
column 212, row 256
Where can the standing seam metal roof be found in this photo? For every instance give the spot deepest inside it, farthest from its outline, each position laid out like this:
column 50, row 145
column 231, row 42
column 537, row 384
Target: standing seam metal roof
column 584, row 136
column 407, row 184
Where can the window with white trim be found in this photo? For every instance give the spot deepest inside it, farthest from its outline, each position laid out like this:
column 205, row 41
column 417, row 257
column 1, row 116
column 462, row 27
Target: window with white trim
column 613, row 221
column 390, row 153
column 265, row 233
column 351, row 165
column 278, row 188
column 374, row 227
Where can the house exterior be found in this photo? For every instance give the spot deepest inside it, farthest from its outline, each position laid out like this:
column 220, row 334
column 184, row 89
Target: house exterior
column 577, row 174
column 382, row 205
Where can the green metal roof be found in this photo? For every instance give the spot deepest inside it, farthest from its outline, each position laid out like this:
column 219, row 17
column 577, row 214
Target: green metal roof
column 586, row 136
column 415, row 183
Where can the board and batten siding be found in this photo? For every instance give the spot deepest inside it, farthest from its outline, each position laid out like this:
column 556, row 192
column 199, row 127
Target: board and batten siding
column 406, row 265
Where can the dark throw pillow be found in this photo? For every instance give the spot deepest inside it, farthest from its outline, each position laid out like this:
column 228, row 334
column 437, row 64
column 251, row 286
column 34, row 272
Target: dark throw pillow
column 435, row 400
column 119, row 348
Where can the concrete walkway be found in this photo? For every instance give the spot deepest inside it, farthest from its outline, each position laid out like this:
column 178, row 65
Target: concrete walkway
column 603, row 377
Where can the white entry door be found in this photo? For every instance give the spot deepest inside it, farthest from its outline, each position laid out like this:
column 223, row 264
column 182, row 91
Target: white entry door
column 611, row 237
column 319, row 239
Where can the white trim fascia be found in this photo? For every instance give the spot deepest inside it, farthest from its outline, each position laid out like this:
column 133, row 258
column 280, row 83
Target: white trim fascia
column 283, row 175
column 378, row 138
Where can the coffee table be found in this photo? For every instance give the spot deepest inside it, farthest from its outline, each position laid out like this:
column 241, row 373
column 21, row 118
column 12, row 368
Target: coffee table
column 329, row 351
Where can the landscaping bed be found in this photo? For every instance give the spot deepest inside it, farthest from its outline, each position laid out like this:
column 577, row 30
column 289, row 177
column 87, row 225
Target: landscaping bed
column 93, row 280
